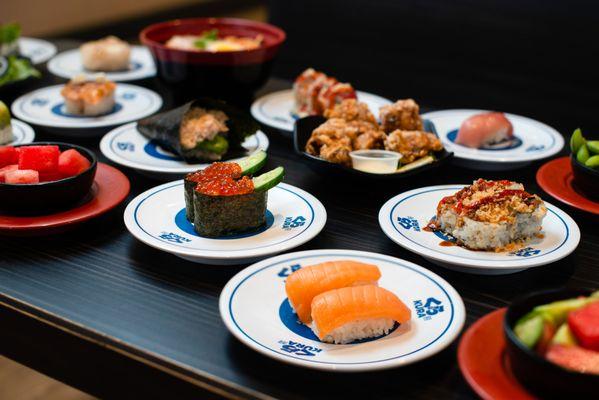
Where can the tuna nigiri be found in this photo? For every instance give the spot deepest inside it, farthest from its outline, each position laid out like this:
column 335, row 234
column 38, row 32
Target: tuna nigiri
column 484, row 129
column 306, row 283
column 357, row 312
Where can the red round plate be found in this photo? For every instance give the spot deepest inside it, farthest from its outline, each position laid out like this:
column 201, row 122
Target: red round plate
column 110, row 188
column 483, row 361
column 555, row 177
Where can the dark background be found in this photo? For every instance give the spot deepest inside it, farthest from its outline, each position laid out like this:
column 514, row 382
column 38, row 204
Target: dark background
column 532, row 57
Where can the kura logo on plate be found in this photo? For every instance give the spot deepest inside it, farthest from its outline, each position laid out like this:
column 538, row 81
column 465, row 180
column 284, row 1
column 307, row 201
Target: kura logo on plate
column 126, row 146
column 173, row 237
column 299, row 349
column 294, row 222
column 286, row 271
column 525, row 252
column 429, row 308
column 409, row 223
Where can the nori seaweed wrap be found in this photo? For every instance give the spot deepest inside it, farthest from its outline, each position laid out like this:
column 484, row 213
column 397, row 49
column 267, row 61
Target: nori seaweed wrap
column 221, row 215
column 201, row 130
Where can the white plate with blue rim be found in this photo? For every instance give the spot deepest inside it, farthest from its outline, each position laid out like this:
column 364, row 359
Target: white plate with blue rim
column 22, row 133
column 157, row 218
column 37, row 50
column 255, row 309
column 533, row 140
column 276, row 109
column 45, row 107
column 126, row 146
column 403, row 218
column 68, row 64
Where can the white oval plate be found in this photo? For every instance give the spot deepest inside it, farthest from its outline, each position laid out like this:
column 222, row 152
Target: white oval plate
column 534, row 140
column 276, row 109
column 68, row 64
column 21, row 132
column 403, row 217
column 37, row 50
column 126, row 146
column 45, row 107
column 254, row 307
column 157, row 218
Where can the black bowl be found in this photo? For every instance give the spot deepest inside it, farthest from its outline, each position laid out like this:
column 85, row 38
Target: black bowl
column 45, row 197
column 585, row 178
column 540, row 376
column 303, row 129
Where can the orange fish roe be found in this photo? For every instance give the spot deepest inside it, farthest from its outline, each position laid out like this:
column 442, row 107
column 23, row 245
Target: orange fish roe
column 222, row 179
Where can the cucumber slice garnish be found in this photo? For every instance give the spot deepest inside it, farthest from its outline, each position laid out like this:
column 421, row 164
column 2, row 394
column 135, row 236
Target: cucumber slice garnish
column 269, row 179
column 253, row 163
column 529, row 330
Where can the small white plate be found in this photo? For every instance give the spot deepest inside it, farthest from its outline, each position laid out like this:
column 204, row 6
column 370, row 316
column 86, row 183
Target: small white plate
column 276, row 109
column 37, row 50
column 157, row 218
column 533, row 141
column 403, row 218
column 254, row 307
column 68, row 64
column 126, row 146
column 21, row 132
column 45, row 107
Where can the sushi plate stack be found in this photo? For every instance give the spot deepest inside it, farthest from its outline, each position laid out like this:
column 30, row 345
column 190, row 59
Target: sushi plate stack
column 45, row 107
column 404, row 218
column 157, row 218
column 255, row 309
column 533, row 140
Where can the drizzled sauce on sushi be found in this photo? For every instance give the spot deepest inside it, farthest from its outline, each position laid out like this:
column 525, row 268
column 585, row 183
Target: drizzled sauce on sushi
column 222, row 179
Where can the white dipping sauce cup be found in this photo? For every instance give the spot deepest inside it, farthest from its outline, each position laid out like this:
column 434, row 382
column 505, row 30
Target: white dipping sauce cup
column 375, row 161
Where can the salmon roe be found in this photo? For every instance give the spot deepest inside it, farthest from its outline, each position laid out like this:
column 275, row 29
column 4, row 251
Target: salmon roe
column 222, row 179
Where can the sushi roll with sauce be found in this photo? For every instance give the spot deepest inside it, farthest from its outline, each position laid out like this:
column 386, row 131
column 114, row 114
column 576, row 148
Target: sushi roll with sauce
column 308, row 282
column 88, row 97
column 199, row 131
column 485, row 129
column 315, row 92
column 224, row 199
column 5, row 125
column 356, row 312
column 490, row 215
column 107, row 54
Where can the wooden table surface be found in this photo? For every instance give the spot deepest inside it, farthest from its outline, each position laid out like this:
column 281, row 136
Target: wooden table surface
column 103, row 312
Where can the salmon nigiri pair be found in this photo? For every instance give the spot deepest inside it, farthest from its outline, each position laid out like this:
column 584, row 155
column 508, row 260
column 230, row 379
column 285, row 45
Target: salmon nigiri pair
column 341, row 302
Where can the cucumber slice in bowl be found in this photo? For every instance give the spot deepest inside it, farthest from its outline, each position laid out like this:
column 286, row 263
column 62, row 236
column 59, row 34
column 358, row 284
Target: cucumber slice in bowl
column 269, row 179
column 253, row 163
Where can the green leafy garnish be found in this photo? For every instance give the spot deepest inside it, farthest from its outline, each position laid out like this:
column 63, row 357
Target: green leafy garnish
column 9, row 33
column 18, row 69
column 205, row 38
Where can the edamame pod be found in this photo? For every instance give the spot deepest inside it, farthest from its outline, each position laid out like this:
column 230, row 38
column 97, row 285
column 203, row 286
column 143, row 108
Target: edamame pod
column 582, row 155
column 576, row 140
column 592, row 162
column 593, row 146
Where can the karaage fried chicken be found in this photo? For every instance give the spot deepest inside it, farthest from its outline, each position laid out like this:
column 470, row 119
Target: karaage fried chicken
column 412, row 144
column 403, row 114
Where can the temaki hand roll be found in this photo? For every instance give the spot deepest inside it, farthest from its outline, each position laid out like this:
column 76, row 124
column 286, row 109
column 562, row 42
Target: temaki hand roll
column 222, row 199
column 201, row 130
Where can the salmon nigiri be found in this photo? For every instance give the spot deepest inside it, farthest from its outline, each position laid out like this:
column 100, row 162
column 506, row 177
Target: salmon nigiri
column 485, row 129
column 357, row 312
column 305, row 283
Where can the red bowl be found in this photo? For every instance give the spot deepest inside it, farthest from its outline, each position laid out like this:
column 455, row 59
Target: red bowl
column 226, row 75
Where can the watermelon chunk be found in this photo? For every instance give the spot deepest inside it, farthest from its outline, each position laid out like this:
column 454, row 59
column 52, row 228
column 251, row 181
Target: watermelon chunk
column 574, row 358
column 39, row 158
column 71, row 163
column 6, row 169
column 584, row 323
column 8, row 156
column 22, row 177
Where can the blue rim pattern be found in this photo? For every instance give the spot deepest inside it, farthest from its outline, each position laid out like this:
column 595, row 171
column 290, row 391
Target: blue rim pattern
column 471, row 258
column 513, row 143
column 135, row 218
column 58, row 110
column 230, row 307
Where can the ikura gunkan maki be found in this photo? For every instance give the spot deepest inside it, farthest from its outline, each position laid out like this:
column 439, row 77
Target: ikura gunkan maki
column 224, row 199
column 202, row 130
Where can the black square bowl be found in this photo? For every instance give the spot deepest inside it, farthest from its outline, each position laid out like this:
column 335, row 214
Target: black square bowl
column 542, row 377
column 303, row 129
column 44, row 197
